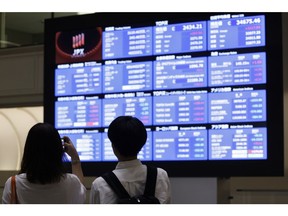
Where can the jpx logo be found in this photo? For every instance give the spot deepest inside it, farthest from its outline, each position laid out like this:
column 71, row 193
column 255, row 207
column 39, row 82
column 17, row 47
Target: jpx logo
column 78, row 41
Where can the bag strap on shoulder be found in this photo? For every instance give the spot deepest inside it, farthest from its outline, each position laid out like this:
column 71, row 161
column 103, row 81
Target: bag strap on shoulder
column 116, row 185
column 150, row 181
column 118, row 188
column 14, row 198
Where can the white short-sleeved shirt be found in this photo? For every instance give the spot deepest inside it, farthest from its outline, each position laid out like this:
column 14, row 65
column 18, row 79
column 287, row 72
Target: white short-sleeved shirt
column 132, row 175
column 68, row 190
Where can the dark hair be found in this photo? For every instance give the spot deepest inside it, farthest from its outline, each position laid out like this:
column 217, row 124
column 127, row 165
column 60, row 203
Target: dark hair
column 128, row 135
column 43, row 155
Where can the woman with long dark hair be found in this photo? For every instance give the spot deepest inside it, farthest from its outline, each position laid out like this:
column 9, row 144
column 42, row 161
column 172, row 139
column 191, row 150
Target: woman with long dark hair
column 42, row 177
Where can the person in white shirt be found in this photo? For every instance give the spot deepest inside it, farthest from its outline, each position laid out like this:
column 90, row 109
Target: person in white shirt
column 42, row 178
column 128, row 135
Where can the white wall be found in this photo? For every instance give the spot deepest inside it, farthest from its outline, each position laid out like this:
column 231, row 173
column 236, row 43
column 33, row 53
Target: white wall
column 15, row 124
column 194, row 190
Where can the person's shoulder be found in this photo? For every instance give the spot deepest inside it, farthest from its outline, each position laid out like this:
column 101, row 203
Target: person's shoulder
column 98, row 183
column 162, row 172
column 8, row 181
column 71, row 177
column 18, row 177
column 98, row 180
column 72, row 180
column 21, row 176
column 159, row 169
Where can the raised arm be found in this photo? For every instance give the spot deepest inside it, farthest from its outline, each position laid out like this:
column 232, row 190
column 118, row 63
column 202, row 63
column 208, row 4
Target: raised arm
column 75, row 160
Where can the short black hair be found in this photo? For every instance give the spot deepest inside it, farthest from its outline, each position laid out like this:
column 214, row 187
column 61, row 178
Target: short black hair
column 128, row 135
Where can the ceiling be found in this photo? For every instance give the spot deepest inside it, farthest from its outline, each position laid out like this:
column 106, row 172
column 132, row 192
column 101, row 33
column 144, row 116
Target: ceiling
column 24, row 28
column 32, row 23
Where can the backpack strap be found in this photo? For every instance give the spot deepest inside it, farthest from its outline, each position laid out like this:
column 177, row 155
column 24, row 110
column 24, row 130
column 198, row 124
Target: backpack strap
column 118, row 188
column 150, row 181
column 116, row 185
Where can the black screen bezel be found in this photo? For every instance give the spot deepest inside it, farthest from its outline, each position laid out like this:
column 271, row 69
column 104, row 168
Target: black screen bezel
column 273, row 166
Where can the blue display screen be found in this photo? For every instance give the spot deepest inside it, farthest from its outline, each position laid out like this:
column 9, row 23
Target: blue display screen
column 180, row 145
column 180, row 109
column 234, row 33
column 123, row 42
column 140, row 107
column 238, row 69
column 127, row 77
column 180, row 38
column 78, row 113
column 242, row 143
column 180, row 73
column 199, row 87
column 78, row 81
column 243, row 106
